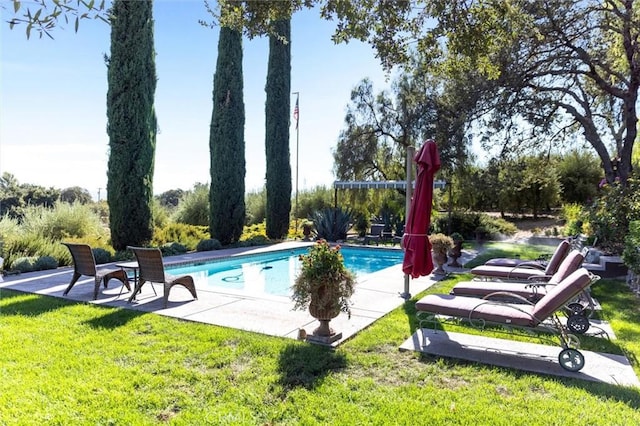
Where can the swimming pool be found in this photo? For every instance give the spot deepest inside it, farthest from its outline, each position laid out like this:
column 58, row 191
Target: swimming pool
column 273, row 273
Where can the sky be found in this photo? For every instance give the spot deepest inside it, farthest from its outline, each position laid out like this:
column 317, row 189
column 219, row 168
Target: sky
column 53, row 100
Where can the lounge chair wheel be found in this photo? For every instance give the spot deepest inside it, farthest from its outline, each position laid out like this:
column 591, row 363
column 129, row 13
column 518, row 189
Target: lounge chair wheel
column 571, row 359
column 574, row 308
column 578, row 324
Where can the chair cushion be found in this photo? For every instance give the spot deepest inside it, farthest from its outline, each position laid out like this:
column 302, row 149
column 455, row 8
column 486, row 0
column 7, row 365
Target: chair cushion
column 562, row 293
column 483, row 288
column 471, row 307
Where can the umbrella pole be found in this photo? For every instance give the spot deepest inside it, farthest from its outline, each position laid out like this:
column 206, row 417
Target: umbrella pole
column 411, row 151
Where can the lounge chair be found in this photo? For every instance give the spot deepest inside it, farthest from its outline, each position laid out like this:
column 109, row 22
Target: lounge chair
column 540, row 316
column 562, row 249
column 524, row 271
column 84, row 263
column 532, row 290
column 152, row 270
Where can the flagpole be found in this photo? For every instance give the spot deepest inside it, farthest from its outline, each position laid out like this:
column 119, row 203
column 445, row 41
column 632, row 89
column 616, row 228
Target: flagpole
column 296, row 113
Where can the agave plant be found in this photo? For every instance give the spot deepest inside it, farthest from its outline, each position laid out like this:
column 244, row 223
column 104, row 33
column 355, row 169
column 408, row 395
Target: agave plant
column 332, row 224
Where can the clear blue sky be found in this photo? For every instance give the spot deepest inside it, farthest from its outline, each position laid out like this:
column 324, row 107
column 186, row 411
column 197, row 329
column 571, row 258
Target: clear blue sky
column 53, row 100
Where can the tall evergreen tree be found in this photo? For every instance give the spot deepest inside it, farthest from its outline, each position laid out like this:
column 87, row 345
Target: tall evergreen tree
column 131, row 123
column 226, row 141
column 278, row 90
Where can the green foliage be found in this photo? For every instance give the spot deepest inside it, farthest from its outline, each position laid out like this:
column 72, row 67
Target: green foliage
column 194, row 206
column 332, row 224
column 609, row 216
column 631, row 252
column 468, row 224
column 530, row 183
column 576, row 219
column 254, row 240
column 226, row 141
column 208, row 244
column 45, row 262
column 172, row 249
column 187, row 235
column 310, row 201
column 75, row 194
column 101, row 255
column 579, row 173
column 16, row 197
column 34, row 263
column 256, row 202
column 159, row 213
column 259, row 229
column 31, row 245
column 132, row 125
column 24, row 264
column 277, row 113
column 63, row 221
column 171, row 198
column 323, row 279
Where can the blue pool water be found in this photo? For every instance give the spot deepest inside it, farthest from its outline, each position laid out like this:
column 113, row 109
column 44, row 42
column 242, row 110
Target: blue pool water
column 273, row 273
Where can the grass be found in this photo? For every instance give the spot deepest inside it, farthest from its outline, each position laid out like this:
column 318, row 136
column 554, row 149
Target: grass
column 71, row 363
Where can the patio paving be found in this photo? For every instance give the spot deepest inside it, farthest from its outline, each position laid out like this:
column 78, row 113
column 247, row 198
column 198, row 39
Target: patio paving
column 537, row 358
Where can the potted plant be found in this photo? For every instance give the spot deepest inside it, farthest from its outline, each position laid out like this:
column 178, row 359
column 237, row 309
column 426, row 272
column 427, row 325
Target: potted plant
column 440, row 245
column 325, row 286
column 456, row 250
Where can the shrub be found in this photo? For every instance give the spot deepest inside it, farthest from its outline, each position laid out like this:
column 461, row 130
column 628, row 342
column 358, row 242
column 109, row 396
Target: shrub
column 576, row 219
column 255, row 240
column 30, row 245
column 24, row 264
column 631, row 252
column 194, row 207
column 468, row 224
column 101, row 255
column 208, row 244
column 63, row 221
column 44, row 263
column 172, row 249
column 612, row 212
column 188, row 235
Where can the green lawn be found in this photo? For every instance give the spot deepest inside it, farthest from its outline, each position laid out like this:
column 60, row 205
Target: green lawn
column 66, row 363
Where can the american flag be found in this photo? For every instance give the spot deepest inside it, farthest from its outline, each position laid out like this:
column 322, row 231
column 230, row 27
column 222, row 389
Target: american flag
column 296, row 112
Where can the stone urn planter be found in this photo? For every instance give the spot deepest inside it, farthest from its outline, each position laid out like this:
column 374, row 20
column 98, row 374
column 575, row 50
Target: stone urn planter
column 324, row 286
column 440, row 245
column 456, row 251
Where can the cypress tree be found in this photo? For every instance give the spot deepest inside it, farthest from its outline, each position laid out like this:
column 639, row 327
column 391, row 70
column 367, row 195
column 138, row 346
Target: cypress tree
column 226, row 141
column 278, row 174
column 131, row 123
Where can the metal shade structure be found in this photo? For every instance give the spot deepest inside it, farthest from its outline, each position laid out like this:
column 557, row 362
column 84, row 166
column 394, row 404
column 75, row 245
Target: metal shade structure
column 417, row 256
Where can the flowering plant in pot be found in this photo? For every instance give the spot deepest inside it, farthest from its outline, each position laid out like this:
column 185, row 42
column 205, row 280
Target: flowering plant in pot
column 324, row 286
column 440, row 245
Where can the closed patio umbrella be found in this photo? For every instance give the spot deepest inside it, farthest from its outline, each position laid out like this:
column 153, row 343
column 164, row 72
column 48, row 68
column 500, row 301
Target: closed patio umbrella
column 417, row 255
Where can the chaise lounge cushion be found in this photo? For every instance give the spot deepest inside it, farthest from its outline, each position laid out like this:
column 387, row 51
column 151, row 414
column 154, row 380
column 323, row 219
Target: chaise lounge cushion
column 473, row 308
column 508, row 313
column 524, row 271
column 527, row 290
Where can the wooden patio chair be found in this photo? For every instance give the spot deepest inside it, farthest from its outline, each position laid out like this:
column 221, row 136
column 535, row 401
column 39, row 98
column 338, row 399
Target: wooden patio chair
column 85, row 264
column 152, row 270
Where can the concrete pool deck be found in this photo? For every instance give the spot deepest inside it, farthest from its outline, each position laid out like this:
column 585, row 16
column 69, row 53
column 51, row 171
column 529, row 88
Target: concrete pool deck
column 376, row 295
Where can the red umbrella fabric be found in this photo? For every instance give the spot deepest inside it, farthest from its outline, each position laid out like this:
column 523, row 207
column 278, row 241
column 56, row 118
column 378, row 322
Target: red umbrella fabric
column 417, row 255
